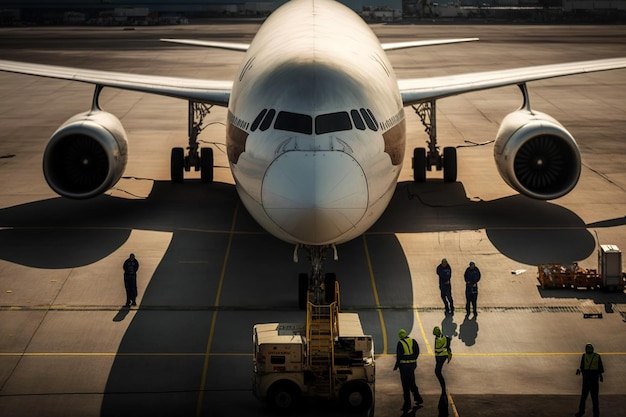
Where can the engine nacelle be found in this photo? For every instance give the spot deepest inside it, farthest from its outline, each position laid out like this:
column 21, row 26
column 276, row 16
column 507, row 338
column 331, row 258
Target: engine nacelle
column 86, row 156
column 536, row 155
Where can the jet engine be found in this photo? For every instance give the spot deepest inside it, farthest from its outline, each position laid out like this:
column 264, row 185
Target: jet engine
column 536, row 155
column 86, row 156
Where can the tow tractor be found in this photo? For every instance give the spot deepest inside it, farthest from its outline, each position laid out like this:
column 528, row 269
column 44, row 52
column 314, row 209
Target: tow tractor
column 328, row 356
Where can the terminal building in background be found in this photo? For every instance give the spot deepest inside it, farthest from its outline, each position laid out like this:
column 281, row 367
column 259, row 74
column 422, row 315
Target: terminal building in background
column 153, row 12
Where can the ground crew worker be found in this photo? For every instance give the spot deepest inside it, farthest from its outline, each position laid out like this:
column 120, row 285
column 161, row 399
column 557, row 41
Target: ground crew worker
column 407, row 352
column 445, row 274
column 442, row 353
column 472, row 276
column 131, row 265
column 592, row 369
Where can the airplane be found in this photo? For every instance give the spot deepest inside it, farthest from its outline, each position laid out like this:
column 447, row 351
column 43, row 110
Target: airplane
column 316, row 129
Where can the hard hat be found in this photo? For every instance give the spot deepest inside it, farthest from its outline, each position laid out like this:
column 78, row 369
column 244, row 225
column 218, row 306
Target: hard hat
column 402, row 333
column 444, row 260
column 437, row 331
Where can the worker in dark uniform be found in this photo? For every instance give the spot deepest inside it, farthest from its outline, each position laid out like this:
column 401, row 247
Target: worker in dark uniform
column 592, row 369
column 472, row 276
column 131, row 265
column 445, row 274
column 407, row 352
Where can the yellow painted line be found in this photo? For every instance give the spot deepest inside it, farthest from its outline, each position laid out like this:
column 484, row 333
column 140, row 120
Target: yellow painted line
column 114, row 354
column 383, row 328
column 226, row 354
column 451, row 401
column 214, row 320
column 419, row 322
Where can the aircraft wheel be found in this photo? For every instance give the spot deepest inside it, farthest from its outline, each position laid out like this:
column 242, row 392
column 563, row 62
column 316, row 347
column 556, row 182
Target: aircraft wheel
column 206, row 165
column 303, row 287
column 356, row 396
column 177, row 165
column 419, row 164
column 449, row 164
column 329, row 287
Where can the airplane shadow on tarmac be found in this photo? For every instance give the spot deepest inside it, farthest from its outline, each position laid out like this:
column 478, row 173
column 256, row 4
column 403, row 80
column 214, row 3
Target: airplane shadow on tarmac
column 522, row 229
column 161, row 358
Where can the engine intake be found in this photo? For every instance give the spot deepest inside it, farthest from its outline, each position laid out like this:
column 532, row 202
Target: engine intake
column 536, row 155
column 86, row 156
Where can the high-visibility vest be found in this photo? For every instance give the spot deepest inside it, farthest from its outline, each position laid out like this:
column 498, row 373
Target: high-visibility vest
column 591, row 362
column 441, row 346
column 407, row 345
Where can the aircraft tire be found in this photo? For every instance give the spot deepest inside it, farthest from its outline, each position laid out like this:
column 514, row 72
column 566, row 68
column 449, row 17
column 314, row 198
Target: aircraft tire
column 419, row 164
column 449, row 164
column 206, row 165
column 177, row 165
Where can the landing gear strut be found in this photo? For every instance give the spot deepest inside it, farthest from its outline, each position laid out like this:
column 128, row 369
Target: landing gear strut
column 202, row 161
column 319, row 286
column 424, row 160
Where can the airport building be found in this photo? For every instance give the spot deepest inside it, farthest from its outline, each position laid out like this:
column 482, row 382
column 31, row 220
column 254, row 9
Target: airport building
column 148, row 12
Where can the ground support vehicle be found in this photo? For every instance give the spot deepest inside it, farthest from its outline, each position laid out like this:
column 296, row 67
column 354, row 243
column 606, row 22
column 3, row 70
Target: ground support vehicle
column 328, row 356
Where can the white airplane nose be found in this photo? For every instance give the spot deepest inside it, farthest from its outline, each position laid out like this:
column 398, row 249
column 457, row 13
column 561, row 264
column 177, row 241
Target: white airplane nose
column 315, row 197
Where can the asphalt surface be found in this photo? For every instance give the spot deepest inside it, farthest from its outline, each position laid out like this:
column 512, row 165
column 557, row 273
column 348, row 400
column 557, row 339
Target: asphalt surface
column 209, row 272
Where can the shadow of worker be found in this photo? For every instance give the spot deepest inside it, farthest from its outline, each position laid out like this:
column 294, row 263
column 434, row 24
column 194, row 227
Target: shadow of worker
column 468, row 331
column 442, row 406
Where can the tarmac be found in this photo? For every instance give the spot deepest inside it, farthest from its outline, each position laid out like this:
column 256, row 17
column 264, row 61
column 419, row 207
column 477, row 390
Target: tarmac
column 208, row 272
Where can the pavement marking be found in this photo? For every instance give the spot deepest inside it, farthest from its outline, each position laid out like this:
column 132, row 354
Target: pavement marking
column 451, row 401
column 419, row 321
column 105, row 354
column 205, row 367
column 378, row 355
column 376, row 299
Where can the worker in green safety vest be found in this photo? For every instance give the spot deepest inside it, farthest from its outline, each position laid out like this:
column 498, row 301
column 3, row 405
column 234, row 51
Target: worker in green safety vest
column 407, row 352
column 592, row 369
column 442, row 353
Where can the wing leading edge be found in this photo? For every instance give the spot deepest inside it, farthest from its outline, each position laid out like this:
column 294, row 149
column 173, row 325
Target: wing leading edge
column 418, row 90
column 231, row 46
column 205, row 91
column 392, row 46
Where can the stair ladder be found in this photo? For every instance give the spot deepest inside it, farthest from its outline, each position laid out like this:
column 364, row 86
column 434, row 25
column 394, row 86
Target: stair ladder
column 322, row 327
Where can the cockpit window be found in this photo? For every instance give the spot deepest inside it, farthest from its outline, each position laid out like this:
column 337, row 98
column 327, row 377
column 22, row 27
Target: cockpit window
column 258, row 119
column 332, row 122
column 361, row 119
column 369, row 119
column 356, row 118
column 294, row 122
column 267, row 121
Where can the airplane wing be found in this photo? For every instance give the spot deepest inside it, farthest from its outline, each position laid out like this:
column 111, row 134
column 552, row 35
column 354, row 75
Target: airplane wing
column 418, row 90
column 205, row 91
column 232, row 46
column 416, row 44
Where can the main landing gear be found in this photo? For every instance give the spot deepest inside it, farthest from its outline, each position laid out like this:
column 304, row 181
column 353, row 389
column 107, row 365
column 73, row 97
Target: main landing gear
column 424, row 160
column 201, row 161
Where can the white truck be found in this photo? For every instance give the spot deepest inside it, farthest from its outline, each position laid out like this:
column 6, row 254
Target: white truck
column 328, row 357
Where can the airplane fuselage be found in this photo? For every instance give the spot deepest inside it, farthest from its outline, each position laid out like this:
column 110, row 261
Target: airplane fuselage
column 316, row 128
